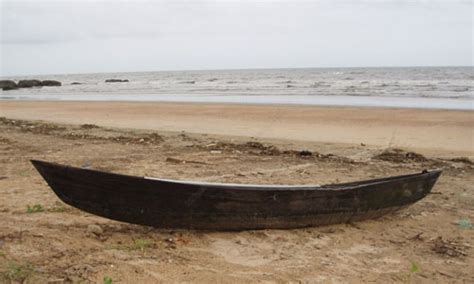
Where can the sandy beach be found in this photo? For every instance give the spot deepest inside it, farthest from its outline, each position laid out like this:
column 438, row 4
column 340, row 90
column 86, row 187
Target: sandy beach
column 431, row 132
column 42, row 239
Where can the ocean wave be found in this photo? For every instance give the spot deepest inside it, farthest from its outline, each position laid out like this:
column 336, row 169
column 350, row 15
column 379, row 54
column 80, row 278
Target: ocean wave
column 449, row 82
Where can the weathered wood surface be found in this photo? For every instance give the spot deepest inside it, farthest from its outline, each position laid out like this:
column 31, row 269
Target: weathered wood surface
column 171, row 204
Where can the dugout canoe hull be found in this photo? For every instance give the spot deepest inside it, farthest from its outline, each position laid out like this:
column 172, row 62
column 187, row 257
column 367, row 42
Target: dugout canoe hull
column 212, row 206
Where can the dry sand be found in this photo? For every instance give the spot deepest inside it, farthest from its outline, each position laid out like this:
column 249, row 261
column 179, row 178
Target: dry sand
column 430, row 241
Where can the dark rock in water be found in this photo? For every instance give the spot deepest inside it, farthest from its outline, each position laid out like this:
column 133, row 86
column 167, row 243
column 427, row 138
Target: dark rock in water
column 7, row 88
column 8, row 85
column 51, row 83
column 465, row 89
column 116, row 80
column 29, row 83
column 76, row 83
column 188, row 82
column 212, row 79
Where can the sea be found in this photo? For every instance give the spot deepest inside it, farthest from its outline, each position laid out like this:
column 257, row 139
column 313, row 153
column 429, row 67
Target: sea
column 406, row 87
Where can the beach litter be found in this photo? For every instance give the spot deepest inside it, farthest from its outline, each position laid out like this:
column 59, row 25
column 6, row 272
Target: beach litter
column 449, row 248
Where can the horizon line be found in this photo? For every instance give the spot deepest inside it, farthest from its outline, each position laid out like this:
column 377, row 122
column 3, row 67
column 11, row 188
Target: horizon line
column 240, row 69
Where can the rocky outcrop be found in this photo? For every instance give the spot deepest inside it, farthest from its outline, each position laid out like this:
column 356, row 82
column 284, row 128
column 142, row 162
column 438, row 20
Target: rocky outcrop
column 29, row 83
column 11, row 85
column 50, row 83
column 116, row 81
column 76, row 83
column 8, row 85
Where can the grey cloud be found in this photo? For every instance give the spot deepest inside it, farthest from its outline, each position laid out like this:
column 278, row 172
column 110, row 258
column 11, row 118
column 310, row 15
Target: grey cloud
column 85, row 36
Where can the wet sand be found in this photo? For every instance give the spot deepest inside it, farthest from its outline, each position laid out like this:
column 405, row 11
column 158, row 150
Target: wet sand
column 431, row 132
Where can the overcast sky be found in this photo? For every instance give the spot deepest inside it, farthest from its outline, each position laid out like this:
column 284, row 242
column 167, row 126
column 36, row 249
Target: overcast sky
column 53, row 37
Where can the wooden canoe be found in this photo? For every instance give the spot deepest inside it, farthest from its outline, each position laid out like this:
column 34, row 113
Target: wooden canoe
column 214, row 206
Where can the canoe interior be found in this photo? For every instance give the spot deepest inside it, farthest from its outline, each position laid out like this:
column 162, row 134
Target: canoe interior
column 213, row 206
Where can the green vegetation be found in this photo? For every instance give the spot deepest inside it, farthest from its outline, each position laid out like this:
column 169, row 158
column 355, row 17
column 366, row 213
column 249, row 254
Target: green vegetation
column 34, row 209
column 39, row 208
column 141, row 244
column 414, row 268
column 465, row 224
column 18, row 272
column 24, row 174
column 57, row 209
column 107, row 280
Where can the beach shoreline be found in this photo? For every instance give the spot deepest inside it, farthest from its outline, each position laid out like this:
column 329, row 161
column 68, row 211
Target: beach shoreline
column 447, row 133
column 320, row 100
